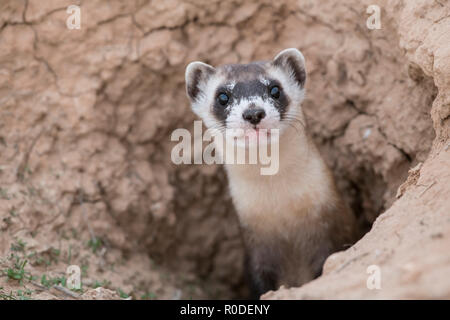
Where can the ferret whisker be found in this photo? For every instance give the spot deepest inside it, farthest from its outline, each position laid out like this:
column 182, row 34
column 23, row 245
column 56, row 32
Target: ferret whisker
column 293, row 126
column 296, row 120
column 220, row 127
column 294, row 116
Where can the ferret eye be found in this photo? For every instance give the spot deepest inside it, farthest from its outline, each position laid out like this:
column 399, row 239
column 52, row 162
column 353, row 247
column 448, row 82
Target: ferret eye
column 223, row 98
column 275, row 92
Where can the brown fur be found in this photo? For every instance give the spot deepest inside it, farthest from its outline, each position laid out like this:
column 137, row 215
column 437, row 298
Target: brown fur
column 293, row 259
column 290, row 248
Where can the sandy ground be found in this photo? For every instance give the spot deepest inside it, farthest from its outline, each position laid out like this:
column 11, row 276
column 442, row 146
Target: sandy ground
column 85, row 123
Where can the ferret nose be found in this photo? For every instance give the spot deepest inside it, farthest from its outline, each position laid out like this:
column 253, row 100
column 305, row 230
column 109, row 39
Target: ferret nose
column 254, row 115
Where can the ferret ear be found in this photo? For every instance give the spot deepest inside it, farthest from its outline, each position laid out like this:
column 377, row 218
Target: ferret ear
column 197, row 73
column 292, row 61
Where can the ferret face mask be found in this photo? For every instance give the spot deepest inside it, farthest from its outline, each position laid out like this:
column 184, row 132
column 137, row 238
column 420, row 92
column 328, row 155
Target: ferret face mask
column 259, row 95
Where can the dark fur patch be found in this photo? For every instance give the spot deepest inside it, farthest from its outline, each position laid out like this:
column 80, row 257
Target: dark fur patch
column 274, row 259
column 293, row 65
column 262, row 269
column 246, row 79
column 246, row 89
column 220, row 111
column 192, row 88
column 299, row 72
column 200, row 73
column 282, row 102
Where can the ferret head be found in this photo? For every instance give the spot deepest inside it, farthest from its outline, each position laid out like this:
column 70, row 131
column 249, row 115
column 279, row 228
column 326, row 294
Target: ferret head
column 259, row 95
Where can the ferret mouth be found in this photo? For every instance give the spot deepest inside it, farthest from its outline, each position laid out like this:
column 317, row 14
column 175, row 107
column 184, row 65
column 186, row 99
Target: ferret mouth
column 258, row 131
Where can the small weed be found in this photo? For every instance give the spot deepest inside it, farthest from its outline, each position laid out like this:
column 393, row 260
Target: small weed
column 4, row 296
column 8, row 221
column 18, row 271
column 45, row 258
column 69, row 255
column 24, row 294
column 95, row 244
column 74, row 233
column 19, row 246
column 53, row 281
column 80, row 290
column 55, row 252
column 4, row 194
column 149, row 296
column 32, row 191
column 122, row 294
column 84, row 269
column 28, row 170
column 104, row 284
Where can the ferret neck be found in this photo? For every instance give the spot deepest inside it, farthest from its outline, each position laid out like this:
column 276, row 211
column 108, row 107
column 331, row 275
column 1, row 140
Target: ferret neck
column 296, row 153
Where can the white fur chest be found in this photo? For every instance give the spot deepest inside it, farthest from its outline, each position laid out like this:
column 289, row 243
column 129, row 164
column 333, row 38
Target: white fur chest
column 278, row 202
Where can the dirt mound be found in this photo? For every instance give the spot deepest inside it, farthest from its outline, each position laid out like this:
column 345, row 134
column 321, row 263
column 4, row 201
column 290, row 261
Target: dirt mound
column 86, row 117
column 409, row 243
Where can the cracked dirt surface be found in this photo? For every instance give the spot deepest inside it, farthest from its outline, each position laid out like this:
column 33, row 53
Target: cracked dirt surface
column 85, row 123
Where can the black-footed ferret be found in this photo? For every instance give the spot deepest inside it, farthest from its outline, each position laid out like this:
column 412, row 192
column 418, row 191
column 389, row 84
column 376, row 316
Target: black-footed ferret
column 293, row 220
